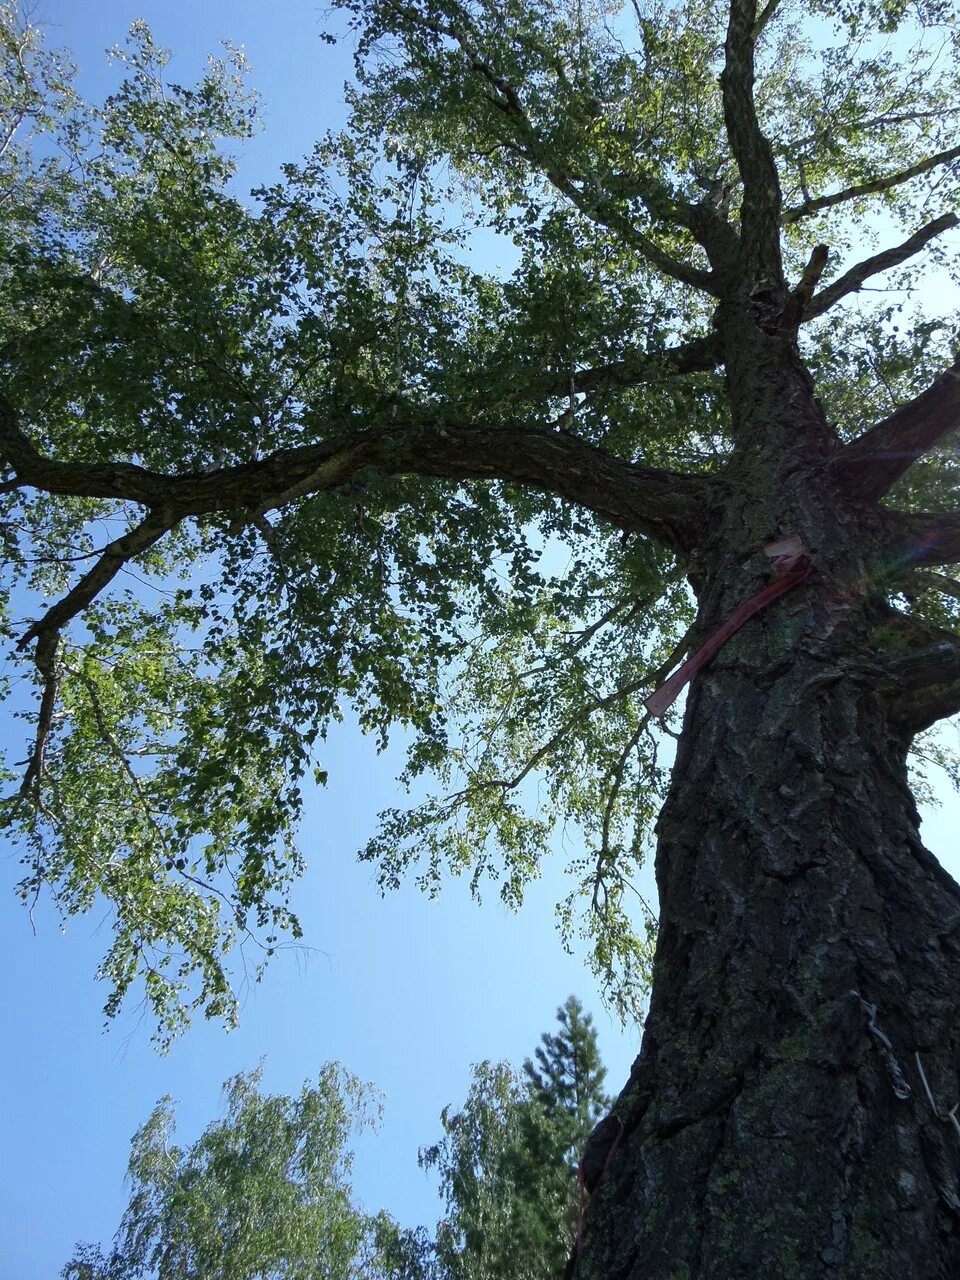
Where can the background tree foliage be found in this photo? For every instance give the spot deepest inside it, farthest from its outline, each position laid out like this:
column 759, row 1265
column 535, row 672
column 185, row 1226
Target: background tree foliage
column 265, row 1192
column 362, row 475
column 565, row 1077
column 508, row 1160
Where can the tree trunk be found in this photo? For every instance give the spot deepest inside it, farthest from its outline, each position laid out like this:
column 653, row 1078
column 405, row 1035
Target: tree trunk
column 762, row 1132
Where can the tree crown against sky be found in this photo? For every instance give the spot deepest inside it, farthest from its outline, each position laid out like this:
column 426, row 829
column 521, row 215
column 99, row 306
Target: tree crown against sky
column 265, row 1191
column 565, row 1073
column 356, row 471
column 508, row 1159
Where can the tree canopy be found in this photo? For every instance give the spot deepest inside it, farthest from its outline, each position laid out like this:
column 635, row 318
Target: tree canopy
column 269, row 460
column 265, row 1192
column 565, row 1075
column 509, row 1158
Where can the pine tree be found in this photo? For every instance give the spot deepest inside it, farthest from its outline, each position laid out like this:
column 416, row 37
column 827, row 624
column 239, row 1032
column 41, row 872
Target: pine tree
column 507, row 1162
column 567, row 1080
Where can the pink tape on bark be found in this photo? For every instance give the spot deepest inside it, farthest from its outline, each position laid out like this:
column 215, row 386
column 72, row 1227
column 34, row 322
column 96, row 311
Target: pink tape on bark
column 791, row 566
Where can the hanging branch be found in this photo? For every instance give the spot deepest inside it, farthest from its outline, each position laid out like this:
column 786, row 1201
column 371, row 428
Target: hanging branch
column 47, row 630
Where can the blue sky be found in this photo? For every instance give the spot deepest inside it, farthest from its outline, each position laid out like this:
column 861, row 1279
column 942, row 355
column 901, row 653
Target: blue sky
column 406, row 992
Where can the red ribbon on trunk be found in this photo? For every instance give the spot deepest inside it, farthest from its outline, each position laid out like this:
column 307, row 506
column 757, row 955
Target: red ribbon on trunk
column 791, row 565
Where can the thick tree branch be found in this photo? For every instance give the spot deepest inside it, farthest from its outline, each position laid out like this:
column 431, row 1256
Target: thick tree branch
column 924, row 687
column 765, row 16
column 939, row 582
column 923, row 539
column 699, row 355
column 816, row 204
column 128, row 482
column 853, row 279
column 112, row 559
column 760, row 213
column 665, row 505
column 872, row 463
column 803, row 291
column 80, row 479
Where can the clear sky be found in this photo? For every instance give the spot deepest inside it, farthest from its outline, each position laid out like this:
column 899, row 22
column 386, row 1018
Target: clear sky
column 406, row 992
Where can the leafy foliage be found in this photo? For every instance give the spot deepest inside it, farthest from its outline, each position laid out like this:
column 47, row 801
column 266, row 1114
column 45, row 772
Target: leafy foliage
column 262, row 1193
column 265, row 1191
column 508, row 1199
column 565, row 1076
column 197, row 348
column 507, row 1162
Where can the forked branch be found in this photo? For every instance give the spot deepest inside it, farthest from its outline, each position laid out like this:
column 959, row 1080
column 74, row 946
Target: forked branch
column 666, row 505
column 857, row 276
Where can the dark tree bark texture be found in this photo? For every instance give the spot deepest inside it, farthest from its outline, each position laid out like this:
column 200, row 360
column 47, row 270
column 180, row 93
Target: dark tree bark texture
column 809, row 945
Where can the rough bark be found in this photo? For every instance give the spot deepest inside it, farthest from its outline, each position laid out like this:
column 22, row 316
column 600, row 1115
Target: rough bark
column 764, row 1134
column 802, row 923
